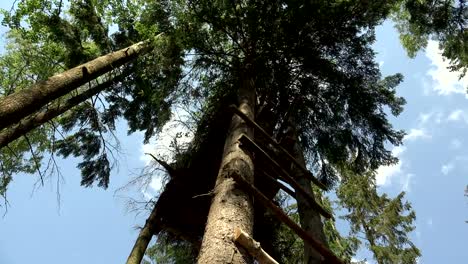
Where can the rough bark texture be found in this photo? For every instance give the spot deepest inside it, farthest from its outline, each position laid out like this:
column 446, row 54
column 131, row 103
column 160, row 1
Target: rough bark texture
column 151, row 228
column 24, row 126
column 309, row 218
column 231, row 207
column 16, row 106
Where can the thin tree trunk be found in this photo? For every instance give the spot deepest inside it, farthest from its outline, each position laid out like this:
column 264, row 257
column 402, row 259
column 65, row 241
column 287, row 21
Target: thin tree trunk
column 151, row 228
column 309, row 218
column 231, row 207
column 18, row 105
column 24, row 126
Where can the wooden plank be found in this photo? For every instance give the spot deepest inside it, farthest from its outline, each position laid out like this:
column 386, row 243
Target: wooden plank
column 246, row 141
column 253, row 247
column 252, row 123
column 279, row 184
column 319, row 247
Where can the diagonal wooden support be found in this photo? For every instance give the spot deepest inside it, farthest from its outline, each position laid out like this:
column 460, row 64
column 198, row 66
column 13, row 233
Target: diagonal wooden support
column 252, row 123
column 279, row 184
column 319, row 247
column 247, row 142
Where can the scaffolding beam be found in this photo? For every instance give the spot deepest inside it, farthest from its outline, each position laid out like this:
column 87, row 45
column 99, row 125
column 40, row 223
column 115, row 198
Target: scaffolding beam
column 252, row 123
column 250, row 144
column 328, row 256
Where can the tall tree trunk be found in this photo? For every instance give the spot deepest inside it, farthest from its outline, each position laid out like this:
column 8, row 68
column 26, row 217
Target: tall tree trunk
column 24, row 126
column 18, row 105
column 231, row 207
column 151, row 228
column 310, row 219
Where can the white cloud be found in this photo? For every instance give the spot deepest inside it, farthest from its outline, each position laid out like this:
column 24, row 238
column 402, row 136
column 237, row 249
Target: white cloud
column 425, row 117
column 455, row 115
column 397, row 151
column 446, row 168
column 154, row 187
column 162, row 147
column 416, row 133
column 456, row 143
column 385, row 173
column 435, row 116
column 458, row 115
column 359, row 261
column 156, row 183
column 430, row 223
column 147, row 195
column 445, row 81
column 460, row 162
column 427, row 86
column 406, row 182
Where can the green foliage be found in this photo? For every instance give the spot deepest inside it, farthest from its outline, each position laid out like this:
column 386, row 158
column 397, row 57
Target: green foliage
column 385, row 222
column 290, row 247
column 24, row 63
column 48, row 37
column 345, row 247
column 287, row 45
column 167, row 250
column 45, row 21
column 284, row 47
column 287, row 244
column 310, row 60
column 442, row 20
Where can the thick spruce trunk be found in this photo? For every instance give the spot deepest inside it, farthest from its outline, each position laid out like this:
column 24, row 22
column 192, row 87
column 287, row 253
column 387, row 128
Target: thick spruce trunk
column 309, row 218
column 231, row 207
column 25, row 125
column 18, row 105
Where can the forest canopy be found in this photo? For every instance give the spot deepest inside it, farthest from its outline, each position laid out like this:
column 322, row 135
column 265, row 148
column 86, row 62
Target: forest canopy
column 305, row 72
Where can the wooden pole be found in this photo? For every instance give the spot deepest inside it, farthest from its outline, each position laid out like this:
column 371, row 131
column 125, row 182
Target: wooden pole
column 249, row 121
column 151, row 228
column 253, row 247
column 246, row 141
column 20, row 104
column 321, row 249
column 27, row 124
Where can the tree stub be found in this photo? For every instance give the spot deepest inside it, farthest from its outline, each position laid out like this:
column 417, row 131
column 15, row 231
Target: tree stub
column 253, row 247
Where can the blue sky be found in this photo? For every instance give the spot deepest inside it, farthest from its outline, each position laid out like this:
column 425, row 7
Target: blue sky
column 93, row 226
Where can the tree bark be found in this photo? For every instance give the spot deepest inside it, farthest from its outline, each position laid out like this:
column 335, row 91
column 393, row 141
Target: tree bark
column 18, row 105
column 151, row 228
column 309, row 218
column 24, row 126
column 231, row 206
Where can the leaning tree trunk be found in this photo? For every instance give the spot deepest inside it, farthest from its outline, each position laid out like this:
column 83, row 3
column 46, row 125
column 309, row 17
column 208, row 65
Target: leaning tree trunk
column 151, row 228
column 18, row 105
column 25, row 125
column 231, row 207
column 309, row 218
